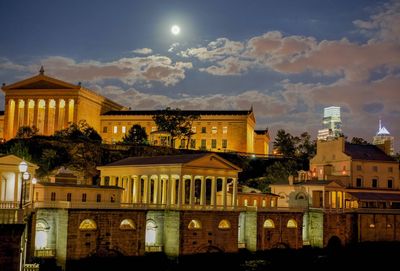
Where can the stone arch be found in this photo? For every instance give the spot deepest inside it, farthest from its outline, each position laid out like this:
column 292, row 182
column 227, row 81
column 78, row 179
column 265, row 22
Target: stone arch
column 87, row 225
column 210, row 249
column 292, row 223
column 334, row 242
column 268, row 224
column 224, row 224
column 194, row 224
column 127, row 224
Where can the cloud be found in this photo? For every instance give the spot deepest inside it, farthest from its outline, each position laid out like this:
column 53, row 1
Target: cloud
column 384, row 25
column 153, row 68
column 143, row 51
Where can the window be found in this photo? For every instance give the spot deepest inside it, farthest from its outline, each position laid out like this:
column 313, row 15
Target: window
column 105, row 129
column 183, row 143
column 213, row 143
column 359, row 168
column 203, row 144
column 69, row 196
column 194, row 130
column 390, row 169
column 224, row 143
column 269, row 224
column 194, row 224
column 374, row 183
column 193, row 143
column 214, row 130
column 224, row 224
column 203, row 130
column 53, row 196
column 390, row 183
column 127, row 224
column 375, row 168
column 224, row 130
column 291, row 223
column 84, row 197
column 87, row 225
column 98, row 198
column 153, row 129
column 358, row 182
column 115, row 130
column 123, row 129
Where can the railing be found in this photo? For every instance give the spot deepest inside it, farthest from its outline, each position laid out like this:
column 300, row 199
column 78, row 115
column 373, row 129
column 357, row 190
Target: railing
column 31, row 267
column 9, row 205
column 154, row 248
column 45, row 253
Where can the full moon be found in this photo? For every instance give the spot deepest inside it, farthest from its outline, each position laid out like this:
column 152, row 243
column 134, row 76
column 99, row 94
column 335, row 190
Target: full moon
column 175, row 30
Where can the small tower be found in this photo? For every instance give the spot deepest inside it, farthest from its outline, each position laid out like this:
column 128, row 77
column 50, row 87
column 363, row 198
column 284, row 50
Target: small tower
column 384, row 140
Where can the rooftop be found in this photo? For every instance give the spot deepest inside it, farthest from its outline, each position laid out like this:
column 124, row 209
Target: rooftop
column 184, row 112
column 157, row 160
column 366, row 152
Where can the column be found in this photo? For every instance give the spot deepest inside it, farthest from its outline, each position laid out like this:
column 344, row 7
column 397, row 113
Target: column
column 145, row 190
column 234, row 193
column 137, row 191
column 323, row 199
column 160, row 190
column 213, row 191
column 173, row 190
column 191, row 192
column 75, row 111
column 57, row 113
column 16, row 112
column 35, row 112
column 46, row 117
column 130, row 185
column 203, row 191
column 180, row 190
column 66, row 113
column 155, row 192
column 164, row 190
column 168, row 191
column 16, row 184
column 102, row 180
column 224, row 191
column 26, row 111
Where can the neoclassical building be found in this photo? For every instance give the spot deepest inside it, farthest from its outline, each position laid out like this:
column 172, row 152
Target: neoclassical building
column 50, row 104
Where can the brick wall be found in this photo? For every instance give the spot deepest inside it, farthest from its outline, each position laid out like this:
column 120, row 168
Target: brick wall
column 108, row 239
column 209, row 237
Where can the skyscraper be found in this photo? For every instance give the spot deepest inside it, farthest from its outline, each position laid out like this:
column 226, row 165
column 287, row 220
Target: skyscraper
column 384, row 139
column 332, row 124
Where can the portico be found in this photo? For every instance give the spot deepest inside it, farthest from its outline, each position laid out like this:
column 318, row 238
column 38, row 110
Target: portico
column 179, row 181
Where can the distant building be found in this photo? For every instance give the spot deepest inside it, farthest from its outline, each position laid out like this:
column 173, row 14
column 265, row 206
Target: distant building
column 384, row 140
column 332, row 123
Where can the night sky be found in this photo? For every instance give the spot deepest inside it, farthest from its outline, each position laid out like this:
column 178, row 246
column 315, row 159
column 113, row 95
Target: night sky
column 287, row 59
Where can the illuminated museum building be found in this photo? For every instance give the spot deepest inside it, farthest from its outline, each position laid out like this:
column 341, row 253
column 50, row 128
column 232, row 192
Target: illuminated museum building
column 50, row 104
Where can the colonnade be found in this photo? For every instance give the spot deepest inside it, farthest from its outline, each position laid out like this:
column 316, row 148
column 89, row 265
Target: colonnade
column 46, row 114
column 10, row 187
column 175, row 189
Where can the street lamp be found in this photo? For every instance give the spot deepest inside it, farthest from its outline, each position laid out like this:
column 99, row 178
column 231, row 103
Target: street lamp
column 23, row 169
column 34, row 181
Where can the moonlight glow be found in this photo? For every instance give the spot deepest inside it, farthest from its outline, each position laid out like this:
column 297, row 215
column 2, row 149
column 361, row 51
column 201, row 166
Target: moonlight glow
column 175, row 30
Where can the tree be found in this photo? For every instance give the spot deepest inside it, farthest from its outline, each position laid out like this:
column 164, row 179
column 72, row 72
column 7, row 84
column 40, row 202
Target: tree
column 176, row 123
column 136, row 136
column 359, row 140
column 20, row 149
column 80, row 130
column 280, row 171
column 26, row 132
column 285, row 143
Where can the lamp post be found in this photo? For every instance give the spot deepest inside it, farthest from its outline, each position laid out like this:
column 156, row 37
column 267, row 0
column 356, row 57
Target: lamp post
column 23, row 169
column 34, row 181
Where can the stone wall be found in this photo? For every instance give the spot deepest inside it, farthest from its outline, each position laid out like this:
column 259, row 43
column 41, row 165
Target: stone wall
column 280, row 235
column 10, row 242
column 209, row 237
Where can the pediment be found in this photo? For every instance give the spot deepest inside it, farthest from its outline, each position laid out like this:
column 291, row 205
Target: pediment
column 213, row 161
column 12, row 160
column 40, row 82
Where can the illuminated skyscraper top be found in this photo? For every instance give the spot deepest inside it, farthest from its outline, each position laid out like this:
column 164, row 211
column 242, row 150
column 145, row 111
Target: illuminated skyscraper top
column 384, row 139
column 332, row 123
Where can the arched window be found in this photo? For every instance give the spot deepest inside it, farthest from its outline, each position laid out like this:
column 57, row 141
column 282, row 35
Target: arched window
column 224, row 224
column 88, row 225
column 127, row 224
column 300, row 196
column 291, row 223
column 194, row 225
column 42, row 230
column 269, row 224
column 151, row 230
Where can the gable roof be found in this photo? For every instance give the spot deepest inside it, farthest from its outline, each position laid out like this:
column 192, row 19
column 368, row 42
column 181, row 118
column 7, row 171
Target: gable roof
column 366, row 152
column 184, row 112
column 41, row 81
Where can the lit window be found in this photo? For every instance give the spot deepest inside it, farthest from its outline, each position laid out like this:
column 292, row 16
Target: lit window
column 245, row 202
column 87, row 225
column 194, row 224
column 372, row 225
column 214, row 130
column 123, row 129
column 127, row 224
column 224, row 224
column 291, row 223
column 203, row 144
column 115, row 130
column 193, row 129
column 269, row 224
column 153, row 129
column 272, row 203
column 224, row 130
